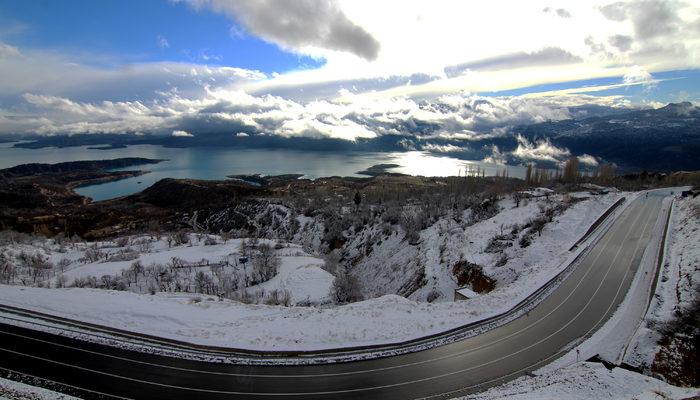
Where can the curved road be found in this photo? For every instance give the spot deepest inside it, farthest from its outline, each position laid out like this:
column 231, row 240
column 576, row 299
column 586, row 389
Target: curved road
column 579, row 306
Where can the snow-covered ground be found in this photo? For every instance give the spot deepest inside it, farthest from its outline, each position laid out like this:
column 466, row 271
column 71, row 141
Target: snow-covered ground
column 206, row 320
column 299, row 273
column 584, row 381
column 12, row 390
column 517, row 269
column 677, row 287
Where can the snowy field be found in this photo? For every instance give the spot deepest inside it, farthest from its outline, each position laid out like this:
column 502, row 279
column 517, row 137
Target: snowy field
column 209, row 320
column 299, row 273
column 584, row 381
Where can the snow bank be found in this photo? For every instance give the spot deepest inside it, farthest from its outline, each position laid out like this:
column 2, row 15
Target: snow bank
column 678, row 281
column 17, row 390
column 584, row 381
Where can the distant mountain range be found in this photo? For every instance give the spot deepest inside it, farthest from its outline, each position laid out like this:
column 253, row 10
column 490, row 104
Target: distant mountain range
column 667, row 138
column 661, row 139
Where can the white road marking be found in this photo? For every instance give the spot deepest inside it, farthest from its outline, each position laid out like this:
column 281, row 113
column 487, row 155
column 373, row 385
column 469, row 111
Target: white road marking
column 64, row 384
column 400, row 383
column 449, row 356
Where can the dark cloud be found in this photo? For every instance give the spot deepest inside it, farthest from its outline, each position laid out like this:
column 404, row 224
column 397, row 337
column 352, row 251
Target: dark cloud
column 659, row 31
column 654, row 18
column 621, row 42
column 650, row 18
column 544, row 57
column 298, row 24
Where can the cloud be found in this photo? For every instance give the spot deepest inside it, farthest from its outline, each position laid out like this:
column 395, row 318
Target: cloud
column 615, row 11
column 330, row 89
column 660, row 33
column 162, row 42
column 587, row 159
column 559, row 12
column 441, row 148
column 542, row 150
column 496, row 156
column 458, row 118
column 639, row 76
column 181, row 133
column 544, row 57
column 47, row 72
column 7, row 51
column 621, row 42
column 653, row 18
column 298, row 24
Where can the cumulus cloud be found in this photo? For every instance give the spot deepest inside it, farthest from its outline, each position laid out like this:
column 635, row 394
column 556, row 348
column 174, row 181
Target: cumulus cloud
column 659, row 32
column 639, row 76
column 542, row 150
column 298, row 24
column 587, row 159
column 544, row 57
column 181, row 133
column 461, row 118
column 441, row 148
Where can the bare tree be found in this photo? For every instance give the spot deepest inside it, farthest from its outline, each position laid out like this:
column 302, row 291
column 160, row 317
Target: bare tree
column 345, row 287
column 571, row 173
column 135, row 270
column 265, row 263
column 7, row 269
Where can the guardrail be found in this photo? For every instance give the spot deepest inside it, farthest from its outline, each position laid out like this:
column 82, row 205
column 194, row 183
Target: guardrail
column 343, row 353
column 597, row 223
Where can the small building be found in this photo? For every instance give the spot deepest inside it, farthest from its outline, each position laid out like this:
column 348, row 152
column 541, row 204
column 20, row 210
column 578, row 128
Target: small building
column 464, row 293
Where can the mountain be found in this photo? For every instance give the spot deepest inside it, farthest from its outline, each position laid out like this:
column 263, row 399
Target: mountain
column 666, row 138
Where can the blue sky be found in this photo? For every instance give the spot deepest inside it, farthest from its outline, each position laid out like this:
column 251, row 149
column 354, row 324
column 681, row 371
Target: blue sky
column 335, row 68
column 672, row 87
column 114, row 31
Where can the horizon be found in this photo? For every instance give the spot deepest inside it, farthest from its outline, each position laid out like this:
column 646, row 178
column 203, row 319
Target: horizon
column 335, row 69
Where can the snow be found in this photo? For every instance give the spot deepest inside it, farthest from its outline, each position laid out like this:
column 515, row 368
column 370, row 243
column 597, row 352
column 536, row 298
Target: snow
column 678, row 281
column 583, row 381
column 466, row 292
column 299, row 272
column 611, row 340
column 12, row 390
column 538, row 192
column 381, row 320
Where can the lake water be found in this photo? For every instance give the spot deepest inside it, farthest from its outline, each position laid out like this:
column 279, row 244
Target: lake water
column 217, row 163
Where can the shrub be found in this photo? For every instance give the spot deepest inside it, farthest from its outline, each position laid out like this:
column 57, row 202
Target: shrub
column 432, row 296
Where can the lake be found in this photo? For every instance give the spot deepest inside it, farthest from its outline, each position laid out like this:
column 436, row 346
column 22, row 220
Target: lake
column 217, row 163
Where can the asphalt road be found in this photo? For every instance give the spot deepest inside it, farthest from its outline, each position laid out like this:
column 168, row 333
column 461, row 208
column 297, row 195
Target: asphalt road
column 579, row 306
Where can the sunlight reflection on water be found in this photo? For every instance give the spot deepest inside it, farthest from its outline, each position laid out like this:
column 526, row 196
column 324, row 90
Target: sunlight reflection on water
column 218, row 163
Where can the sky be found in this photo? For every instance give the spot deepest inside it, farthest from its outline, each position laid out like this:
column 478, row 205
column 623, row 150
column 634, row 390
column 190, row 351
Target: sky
column 342, row 69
